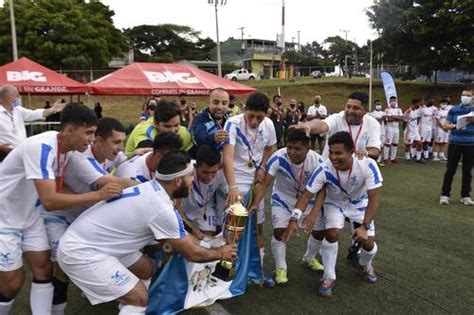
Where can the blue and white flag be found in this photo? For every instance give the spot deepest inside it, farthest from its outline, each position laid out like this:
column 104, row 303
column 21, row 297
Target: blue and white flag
column 388, row 85
column 183, row 284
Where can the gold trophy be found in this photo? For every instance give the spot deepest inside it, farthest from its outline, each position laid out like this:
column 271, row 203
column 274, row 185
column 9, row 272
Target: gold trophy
column 236, row 220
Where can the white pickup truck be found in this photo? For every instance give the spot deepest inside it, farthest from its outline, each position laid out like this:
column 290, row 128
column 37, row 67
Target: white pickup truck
column 240, row 75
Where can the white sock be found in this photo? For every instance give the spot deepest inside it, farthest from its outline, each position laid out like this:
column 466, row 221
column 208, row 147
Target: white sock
column 413, row 151
column 435, row 155
column 430, row 148
column 426, row 154
column 41, row 298
column 279, row 253
column 393, row 153
column 312, row 248
column 441, row 154
column 58, row 309
column 132, row 310
column 367, row 257
column 386, row 152
column 407, row 155
column 262, row 255
column 5, row 307
column 329, row 257
column 418, row 155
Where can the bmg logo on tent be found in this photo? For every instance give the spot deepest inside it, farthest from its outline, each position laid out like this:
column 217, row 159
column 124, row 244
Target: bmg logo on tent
column 15, row 76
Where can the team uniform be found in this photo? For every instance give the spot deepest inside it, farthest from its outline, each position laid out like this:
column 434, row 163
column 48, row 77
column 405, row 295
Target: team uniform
column 346, row 198
column 135, row 169
column 290, row 182
column 380, row 115
column 365, row 135
column 106, row 239
column 441, row 136
column 249, row 146
column 392, row 130
column 21, row 226
column 426, row 122
column 411, row 133
column 314, row 110
column 205, row 203
column 82, row 170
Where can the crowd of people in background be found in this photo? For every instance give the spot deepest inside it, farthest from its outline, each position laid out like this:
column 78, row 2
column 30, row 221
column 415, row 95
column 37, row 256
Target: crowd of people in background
column 92, row 200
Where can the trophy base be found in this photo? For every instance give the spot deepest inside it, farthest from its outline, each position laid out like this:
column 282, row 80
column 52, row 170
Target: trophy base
column 224, row 271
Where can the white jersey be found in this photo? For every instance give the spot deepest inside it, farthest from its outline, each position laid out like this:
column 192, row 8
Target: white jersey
column 347, row 190
column 426, row 117
column 365, row 135
column 135, row 169
column 249, row 146
column 411, row 118
column 202, row 200
column 441, row 115
column 35, row 158
column 321, row 110
column 393, row 112
column 125, row 224
column 379, row 115
column 290, row 179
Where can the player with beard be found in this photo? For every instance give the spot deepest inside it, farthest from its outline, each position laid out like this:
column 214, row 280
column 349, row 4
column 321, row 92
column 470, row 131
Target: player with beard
column 100, row 252
column 207, row 128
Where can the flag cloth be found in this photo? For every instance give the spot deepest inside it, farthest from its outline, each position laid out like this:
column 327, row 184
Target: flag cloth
column 388, row 85
column 183, row 284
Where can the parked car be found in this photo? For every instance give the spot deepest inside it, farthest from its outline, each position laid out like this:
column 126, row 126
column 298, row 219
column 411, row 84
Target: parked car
column 316, row 74
column 240, row 75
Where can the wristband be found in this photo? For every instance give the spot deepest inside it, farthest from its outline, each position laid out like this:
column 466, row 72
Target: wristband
column 233, row 186
column 296, row 214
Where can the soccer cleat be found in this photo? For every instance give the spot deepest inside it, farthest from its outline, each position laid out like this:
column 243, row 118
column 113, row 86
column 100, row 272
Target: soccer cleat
column 436, row 159
column 313, row 264
column 420, row 161
column 386, row 162
column 467, row 201
column 368, row 273
column 394, row 161
column 443, row 158
column 444, row 200
column 325, row 289
column 280, row 277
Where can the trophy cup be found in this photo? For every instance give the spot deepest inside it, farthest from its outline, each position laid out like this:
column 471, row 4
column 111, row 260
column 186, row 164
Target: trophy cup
column 236, row 220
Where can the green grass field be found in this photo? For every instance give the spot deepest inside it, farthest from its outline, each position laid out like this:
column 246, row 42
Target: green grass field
column 424, row 262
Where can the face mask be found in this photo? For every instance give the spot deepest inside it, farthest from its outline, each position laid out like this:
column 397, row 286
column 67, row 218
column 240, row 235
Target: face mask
column 444, row 106
column 16, row 102
column 378, row 107
column 466, row 100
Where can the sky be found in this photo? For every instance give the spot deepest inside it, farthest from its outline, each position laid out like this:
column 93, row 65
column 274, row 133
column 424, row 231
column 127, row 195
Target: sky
column 315, row 19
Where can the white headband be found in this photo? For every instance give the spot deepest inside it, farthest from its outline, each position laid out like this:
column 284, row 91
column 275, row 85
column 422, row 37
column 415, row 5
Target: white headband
column 189, row 169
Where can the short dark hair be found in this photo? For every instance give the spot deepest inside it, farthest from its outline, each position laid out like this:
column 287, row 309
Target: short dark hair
column 165, row 141
column 231, row 97
column 165, row 110
column 444, row 99
column 275, row 97
column 78, row 115
column 377, row 101
column 360, row 96
column 173, row 162
column 106, row 125
column 428, row 100
column 415, row 100
column 392, row 98
column 298, row 136
column 342, row 137
column 258, row 102
column 208, row 155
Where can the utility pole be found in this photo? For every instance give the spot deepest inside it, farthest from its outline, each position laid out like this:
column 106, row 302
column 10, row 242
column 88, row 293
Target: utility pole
column 345, row 57
column 371, row 75
column 242, row 44
column 219, row 63
column 299, row 41
column 13, row 27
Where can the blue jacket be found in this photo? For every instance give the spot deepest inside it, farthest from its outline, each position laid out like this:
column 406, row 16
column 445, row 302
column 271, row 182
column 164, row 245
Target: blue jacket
column 463, row 136
column 204, row 127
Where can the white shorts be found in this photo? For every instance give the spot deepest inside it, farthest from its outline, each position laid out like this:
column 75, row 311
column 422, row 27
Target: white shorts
column 261, row 208
column 392, row 136
column 425, row 135
column 281, row 218
column 102, row 278
column 441, row 136
column 334, row 218
column 13, row 243
column 56, row 226
column 410, row 136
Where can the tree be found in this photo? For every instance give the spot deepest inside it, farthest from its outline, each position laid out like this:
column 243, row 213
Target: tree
column 178, row 41
column 430, row 35
column 339, row 48
column 72, row 34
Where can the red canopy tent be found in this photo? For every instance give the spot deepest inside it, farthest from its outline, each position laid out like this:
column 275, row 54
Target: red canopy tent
column 163, row 79
column 30, row 77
